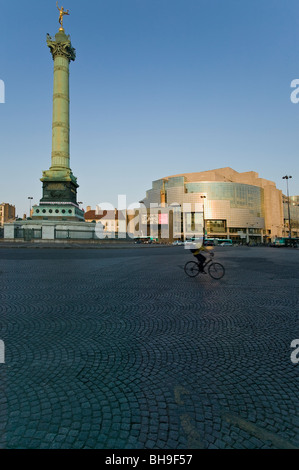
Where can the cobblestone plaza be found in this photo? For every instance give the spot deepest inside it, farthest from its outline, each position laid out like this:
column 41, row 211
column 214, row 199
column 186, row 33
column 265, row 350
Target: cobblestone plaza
column 119, row 349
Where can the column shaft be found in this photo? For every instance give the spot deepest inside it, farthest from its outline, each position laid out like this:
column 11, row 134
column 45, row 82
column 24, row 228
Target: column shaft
column 60, row 125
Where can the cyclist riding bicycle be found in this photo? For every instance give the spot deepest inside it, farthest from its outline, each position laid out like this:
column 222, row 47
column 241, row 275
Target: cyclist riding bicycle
column 198, row 253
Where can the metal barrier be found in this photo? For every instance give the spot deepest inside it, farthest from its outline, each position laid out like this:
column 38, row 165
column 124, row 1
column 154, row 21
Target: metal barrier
column 19, row 232
column 28, row 234
column 74, row 235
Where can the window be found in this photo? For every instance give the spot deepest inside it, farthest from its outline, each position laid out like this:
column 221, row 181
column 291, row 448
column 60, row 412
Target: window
column 217, row 226
column 236, row 230
column 240, row 195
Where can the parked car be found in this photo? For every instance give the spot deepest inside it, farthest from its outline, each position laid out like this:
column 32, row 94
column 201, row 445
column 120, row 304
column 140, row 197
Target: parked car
column 209, row 243
column 178, row 243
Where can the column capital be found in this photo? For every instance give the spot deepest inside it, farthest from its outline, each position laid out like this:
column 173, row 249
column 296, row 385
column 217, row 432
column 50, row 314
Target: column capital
column 61, row 46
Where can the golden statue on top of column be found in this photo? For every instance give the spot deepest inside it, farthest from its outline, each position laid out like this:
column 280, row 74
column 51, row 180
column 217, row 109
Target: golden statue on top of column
column 62, row 12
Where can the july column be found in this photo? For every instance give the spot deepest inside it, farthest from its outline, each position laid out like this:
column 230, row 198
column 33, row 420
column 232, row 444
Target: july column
column 62, row 53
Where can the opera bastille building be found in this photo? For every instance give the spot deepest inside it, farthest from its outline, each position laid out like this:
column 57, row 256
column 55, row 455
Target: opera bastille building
column 238, row 206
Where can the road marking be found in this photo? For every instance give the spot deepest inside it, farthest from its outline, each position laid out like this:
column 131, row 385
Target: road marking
column 193, row 436
column 178, row 391
column 258, row 432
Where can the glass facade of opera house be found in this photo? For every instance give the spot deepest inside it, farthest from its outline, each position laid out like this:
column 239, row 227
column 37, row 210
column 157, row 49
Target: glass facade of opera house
column 238, row 206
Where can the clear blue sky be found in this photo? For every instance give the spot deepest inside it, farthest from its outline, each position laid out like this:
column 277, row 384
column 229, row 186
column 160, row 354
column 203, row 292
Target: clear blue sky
column 159, row 87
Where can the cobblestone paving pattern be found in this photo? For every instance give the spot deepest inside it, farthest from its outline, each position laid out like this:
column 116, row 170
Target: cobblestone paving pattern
column 119, row 349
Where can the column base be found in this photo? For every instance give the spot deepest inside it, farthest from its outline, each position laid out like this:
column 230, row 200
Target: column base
column 59, row 190
column 63, row 211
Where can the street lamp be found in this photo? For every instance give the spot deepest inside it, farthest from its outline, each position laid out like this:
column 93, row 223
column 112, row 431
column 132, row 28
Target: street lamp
column 30, row 199
column 289, row 215
column 203, row 213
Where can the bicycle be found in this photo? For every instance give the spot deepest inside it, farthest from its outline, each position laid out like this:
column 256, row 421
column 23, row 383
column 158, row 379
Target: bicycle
column 215, row 270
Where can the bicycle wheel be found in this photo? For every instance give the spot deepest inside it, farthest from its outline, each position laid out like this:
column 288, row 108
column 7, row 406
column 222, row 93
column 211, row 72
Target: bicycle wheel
column 216, row 270
column 191, row 268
